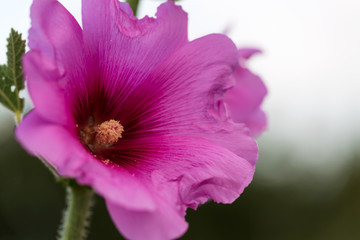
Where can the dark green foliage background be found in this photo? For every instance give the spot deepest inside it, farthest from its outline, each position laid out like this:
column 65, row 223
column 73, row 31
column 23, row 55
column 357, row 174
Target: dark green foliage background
column 31, row 205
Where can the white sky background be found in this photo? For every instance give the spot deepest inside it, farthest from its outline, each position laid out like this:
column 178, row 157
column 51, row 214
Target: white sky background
column 310, row 64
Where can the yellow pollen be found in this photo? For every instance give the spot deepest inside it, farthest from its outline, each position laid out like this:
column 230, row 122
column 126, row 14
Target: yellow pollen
column 108, row 132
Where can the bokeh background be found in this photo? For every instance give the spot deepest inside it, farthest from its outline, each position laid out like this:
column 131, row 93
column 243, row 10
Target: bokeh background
column 307, row 183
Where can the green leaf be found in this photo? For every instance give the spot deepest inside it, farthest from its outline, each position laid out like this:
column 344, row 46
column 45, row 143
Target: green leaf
column 11, row 76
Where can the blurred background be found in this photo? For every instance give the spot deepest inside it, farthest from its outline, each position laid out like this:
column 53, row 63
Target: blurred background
column 307, row 182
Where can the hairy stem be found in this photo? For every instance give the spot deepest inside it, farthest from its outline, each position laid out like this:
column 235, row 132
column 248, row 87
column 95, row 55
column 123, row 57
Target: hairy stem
column 77, row 212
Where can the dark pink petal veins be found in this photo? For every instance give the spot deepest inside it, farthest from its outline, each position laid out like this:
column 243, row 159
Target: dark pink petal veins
column 123, row 50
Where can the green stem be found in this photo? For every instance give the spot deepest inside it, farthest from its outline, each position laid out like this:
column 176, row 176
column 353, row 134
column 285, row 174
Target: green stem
column 134, row 5
column 77, row 212
column 18, row 116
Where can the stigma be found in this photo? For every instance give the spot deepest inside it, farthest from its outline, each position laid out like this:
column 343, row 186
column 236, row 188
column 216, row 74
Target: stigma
column 108, row 133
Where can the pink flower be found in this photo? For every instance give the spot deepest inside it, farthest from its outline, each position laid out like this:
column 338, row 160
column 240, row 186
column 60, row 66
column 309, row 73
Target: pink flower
column 133, row 109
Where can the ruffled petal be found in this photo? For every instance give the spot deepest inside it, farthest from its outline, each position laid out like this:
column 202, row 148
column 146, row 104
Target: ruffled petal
column 201, row 168
column 182, row 172
column 63, row 150
column 245, row 98
column 232, row 136
column 162, row 223
column 256, row 122
column 56, row 38
column 123, row 50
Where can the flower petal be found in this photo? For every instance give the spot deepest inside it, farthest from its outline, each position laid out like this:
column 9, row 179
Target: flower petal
column 180, row 97
column 122, row 50
column 256, row 122
column 46, row 94
column 202, row 168
column 183, row 172
column 232, row 136
column 56, row 38
column 55, row 32
column 245, row 98
column 180, row 93
column 162, row 223
column 63, row 150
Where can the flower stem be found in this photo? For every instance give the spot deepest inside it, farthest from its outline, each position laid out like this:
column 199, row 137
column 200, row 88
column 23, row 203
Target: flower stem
column 77, row 212
column 134, row 5
column 18, row 117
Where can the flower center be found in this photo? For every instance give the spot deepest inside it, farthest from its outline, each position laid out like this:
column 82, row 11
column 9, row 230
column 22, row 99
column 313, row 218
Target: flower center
column 108, row 132
column 101, row 136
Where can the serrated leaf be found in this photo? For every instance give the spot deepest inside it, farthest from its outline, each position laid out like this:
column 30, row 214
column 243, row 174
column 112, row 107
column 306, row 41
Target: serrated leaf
column 11, row 76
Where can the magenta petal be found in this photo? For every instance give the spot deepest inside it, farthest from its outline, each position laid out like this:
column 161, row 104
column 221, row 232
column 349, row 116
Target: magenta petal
column 63, row 150
column 116, row 185
column 123, row 50
column 60, row 146
column 56, row 38
column 245, row 98
column 55, row 33
column 257, row 122
column 183, row 172
column 201, row 169
column 46, row 94
column 234, row 137
column 179, row 94
column 162, row 223
column 179, row 97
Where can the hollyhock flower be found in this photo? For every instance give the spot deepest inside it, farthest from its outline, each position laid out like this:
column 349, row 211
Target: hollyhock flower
column 136, row 111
